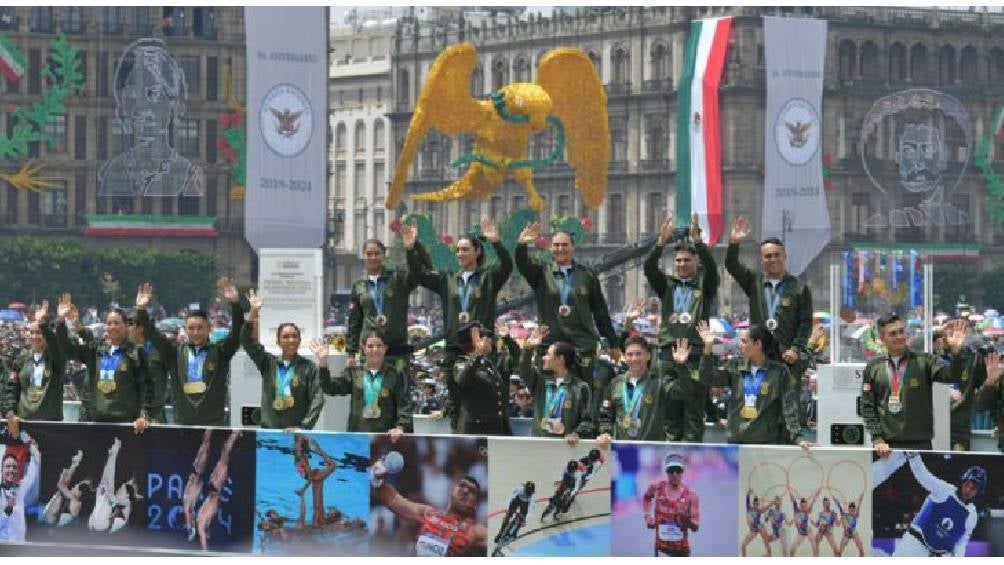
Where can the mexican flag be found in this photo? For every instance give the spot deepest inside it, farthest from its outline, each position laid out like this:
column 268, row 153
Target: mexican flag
column 124, row 225
column 698, row 140
column 12, row 62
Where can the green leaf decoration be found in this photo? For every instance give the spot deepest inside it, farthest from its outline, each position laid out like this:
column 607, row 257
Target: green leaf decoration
column 995, row 186
column 237, row 138
column 63, row 78
column 441, row 255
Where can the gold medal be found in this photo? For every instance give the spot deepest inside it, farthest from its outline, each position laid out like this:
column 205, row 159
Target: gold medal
column 194, row 387
column 35, row 394
column 564, row 310
column 106, row 386
column 289, row 402
column 748, row 412
column 626, row 421
column 278, row 404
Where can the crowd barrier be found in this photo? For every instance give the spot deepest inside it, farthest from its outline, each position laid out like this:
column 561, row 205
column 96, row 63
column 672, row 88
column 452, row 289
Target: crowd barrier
column 252, row 491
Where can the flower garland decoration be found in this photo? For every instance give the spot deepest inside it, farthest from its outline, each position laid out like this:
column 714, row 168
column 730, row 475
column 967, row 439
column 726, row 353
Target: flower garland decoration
column 233, row 144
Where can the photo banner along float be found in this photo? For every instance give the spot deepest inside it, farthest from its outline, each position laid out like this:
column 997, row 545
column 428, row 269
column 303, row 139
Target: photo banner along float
column 794, row 205
column 287, row 126
column 698, row 153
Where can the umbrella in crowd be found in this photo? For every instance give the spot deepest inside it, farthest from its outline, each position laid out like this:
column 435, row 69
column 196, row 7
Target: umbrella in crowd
column 11, row 316
column 720, row 326
column 995, row 327
column 822, row 318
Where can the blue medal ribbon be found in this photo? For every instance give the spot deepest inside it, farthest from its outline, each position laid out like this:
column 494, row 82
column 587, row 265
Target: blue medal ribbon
column 555, row 402
column 772, row 298
column 371, row 387
column 110, row 362
column 565, row 285
column 683, row 298
column 466, row 290
column 377, row 293
column 631, row 404
column 284, row 374
column 751, row 385
column 195, row 364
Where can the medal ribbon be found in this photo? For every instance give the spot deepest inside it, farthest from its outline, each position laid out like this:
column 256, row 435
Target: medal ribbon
column 683, row 298
column 377, row 293
column 751, row 385
column 896, row 375
column 195, row 363
column 565, row 285
column 37, row 370
column 772, row 298
column 632, row 406
column 466, row 289
column 371, row 387
column 284, row 374
column 109, row 362
column 555, row 402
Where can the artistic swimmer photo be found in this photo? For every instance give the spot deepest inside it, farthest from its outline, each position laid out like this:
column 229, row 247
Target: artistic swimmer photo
column 312, row 496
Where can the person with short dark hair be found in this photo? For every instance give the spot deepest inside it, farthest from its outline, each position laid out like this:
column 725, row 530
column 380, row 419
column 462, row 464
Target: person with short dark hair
column 470, row 295
column 779, row 301
column 991, row 394
column 562, row 400
column 291, row 395
column 636, row 405
column 34, row 387
column 964, row 391
column 380, row 398
column 764, row 404
column 117, row 387
column 687, row 297
column 483, row 391
column 199, row 371
column 569, row 298
column 378, row 303
column 897, row 388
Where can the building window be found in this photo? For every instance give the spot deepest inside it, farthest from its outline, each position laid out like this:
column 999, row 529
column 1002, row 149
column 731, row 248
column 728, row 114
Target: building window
column 139, row 20
column 110, row 19
column 869, row 65
column 40, row 19
column 615, row 219
column 500, row 74
column 80, row 138
column 995, row 68
column 34, row 71
column 55, row 132
column 360, row 137
column 655, row 139
column 212, row 78
column 403, row 88
column 918, row 63
column 660, row 62
column 191, row 68
column 379, row 135
column 188, row 136
column 655, row 211
column 847, row 54
column 211, row 195
column 861, row 203
column 946, row 65
column 79, row 197
column 34, row 208
column 521, row 71
column 166, row 205
column 54, row 204
column 472, row 213
column 622, row 66
column 564, row 206
column 340, row 186
column 104, row 75
column 969, row 70
column 204, row 22
column 379, row 180
column 618, row 139
column 211, row 135
column 496, row 208
column 188, row 206
column 71, row 19
column 359, row 180
column 340, row 140
column 173, row 21
column 360, row 227
column 897, row 62
column 477, row 82
column 379, row 94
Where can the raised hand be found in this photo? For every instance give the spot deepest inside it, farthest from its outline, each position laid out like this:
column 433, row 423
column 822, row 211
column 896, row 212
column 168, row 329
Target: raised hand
column 537, row 336
column 501, row 329
column 635, row 310
column 320, row 351
column 530, row 234
column 955, row 334
column 254, row 299
column 64, row 306
column 228, row 290
column 681, row 351
column 42, row 314
column 740, row 230
column 993, row 368
column 695, row 229
column 409, row 234
column 489, row 230
column 144, row 295
column 707, row 336
column 74, row 314
column 666, row 230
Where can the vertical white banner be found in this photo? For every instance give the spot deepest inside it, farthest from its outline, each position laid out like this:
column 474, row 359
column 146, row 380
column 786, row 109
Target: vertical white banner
column 794, row 204
column 287, row 70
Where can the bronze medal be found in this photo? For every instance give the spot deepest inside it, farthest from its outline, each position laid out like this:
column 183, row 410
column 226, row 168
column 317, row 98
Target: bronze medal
column 748, row 413
column 106, row 386
column 194, row 387
column 371, row 412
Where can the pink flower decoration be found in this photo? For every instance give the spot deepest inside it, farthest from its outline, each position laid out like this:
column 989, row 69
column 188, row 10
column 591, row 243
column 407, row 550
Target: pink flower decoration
column 448, row 239
column 587, row 224
column 395, row 226
column 225, row 121
column 542, row 242
column 236, row 119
